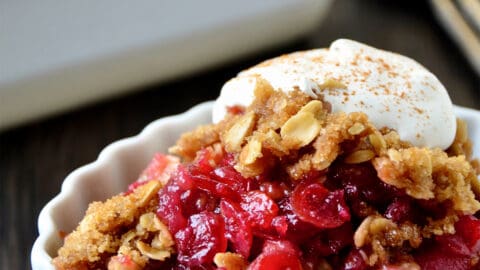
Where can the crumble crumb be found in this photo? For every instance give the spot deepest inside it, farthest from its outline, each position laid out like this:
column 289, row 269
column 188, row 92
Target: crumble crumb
column 99, row 233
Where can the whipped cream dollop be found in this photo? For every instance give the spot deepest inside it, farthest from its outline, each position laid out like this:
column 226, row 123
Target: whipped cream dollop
column 393, row 90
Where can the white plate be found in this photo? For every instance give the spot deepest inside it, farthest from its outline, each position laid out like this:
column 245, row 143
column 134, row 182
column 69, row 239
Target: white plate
column 121, row 162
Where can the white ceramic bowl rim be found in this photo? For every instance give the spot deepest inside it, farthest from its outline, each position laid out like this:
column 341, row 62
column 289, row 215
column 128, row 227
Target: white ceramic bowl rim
column 122, row 161
column 68, row 204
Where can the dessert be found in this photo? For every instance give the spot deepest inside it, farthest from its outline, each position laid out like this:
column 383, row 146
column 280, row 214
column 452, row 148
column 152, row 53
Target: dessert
column 349, row 166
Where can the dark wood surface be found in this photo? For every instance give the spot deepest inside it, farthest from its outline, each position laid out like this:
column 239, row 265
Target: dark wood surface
column 36, row 157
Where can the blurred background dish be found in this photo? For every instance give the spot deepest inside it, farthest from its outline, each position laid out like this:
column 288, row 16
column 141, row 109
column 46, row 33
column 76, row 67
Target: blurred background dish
column 57, row 55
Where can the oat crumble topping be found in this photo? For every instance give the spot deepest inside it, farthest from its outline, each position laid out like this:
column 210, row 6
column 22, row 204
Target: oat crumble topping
column 296, row 135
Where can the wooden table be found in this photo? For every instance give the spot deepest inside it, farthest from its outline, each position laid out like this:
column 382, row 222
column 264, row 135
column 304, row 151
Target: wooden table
column 36, row 157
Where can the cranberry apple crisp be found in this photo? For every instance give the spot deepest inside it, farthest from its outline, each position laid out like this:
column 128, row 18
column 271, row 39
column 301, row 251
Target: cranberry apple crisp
column 287, row 183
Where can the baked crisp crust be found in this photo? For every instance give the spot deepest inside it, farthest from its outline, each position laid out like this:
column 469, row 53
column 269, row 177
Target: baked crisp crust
column 100, row 232
column 297, row 135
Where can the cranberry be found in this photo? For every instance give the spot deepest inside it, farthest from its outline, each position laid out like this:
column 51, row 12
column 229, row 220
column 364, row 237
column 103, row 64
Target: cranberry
column 234, row 179
column 195, row 201
column 468, row 227
column 180, row 198
column 455, row 251
column 402, row 209
column 361, row 183
column 277, row 255
column 213, row 186
column 274, row 190
column 206, row 159
column 257, row 247
column 260, row 209
column 222, row 181
column 315, row 262
column 239, row 232
column 170, row 207
column 180, row 266
column 359, row 175
column 157, row 169
column 228, row 160
column 452, row 244
column 154, row 264
column 331, row 241
column 280, row 223
column 434, row 260
column 315, row 204
column 354, row 261
column 297, row 230
column 433, row 209
column 201, row 239
column 183, row 178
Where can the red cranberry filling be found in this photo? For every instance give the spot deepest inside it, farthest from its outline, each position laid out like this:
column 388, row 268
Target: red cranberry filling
column 260, row 210
column 354, row 261
column 468, row 228
column 277, row 255
column 456, row 251
column 277, row 223
column 329, row 242
column 238, row 232
column 201, row 239
column 315, row 204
